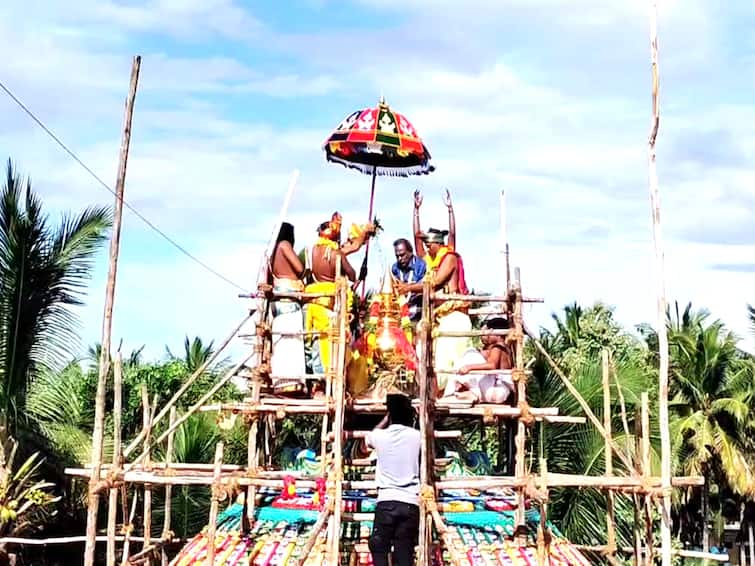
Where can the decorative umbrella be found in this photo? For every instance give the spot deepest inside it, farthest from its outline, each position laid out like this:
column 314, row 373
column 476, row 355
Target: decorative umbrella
column 378, row 141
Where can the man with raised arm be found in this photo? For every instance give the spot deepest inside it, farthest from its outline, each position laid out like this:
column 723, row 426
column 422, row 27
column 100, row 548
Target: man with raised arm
column 395, row 529
column 445, row 271
column 322, row 260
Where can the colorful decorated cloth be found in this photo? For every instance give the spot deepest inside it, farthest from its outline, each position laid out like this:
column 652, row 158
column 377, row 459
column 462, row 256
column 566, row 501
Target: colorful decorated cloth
column 378, row 140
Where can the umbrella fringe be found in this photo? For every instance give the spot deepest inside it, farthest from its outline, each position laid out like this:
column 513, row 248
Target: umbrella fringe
column 382, row 171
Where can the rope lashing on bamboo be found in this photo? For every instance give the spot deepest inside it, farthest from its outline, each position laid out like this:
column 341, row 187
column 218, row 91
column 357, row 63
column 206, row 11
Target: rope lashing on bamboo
column 526, row 415
column 518, row 375
column 127, row 529
column 487, row 416
column 532, row 491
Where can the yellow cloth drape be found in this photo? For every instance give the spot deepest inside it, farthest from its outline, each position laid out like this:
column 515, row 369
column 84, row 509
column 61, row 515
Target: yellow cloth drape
column 319, row 315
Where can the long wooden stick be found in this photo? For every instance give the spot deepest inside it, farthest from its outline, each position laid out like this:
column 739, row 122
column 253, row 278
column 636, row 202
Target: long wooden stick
column 98, row 435
column 607, row 424
column 112, row 515
column 425, row 415
column 521, row 397
column 322, row 521
column 645, row 451
column 181, row 390
column 582, row 403
column 168, row 488
column 147, row 427
column 339, row 396
column 251, row 456
column 663, row 355
column 215, row 503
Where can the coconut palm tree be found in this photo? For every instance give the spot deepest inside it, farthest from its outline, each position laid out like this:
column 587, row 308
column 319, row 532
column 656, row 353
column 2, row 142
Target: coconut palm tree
column 196, row 353
column 712, row 395
column 44, row 270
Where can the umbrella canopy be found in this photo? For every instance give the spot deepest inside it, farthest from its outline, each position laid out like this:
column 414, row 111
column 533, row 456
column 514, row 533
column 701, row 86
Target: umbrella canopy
column 378, row 141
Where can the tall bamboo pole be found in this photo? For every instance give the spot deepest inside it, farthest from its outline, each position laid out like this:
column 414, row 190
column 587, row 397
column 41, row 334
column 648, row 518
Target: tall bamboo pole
column 98, row 434
column 607, row 424
column 112, row 515
column 655, row 203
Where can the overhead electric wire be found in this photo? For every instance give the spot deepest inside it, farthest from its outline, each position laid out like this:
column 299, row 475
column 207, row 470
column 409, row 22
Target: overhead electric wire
column 138, row 214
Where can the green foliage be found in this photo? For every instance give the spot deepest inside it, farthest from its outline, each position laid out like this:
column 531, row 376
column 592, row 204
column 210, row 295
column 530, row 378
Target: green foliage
column 25, row 501
column 44, row 270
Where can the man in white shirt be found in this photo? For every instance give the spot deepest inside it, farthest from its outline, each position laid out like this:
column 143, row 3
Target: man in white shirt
column 395, row 530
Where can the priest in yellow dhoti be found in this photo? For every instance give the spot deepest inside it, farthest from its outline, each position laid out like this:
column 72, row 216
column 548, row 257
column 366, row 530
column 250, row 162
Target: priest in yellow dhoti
column 322, row 260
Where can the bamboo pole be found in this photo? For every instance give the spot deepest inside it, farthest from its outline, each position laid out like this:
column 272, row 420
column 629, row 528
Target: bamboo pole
column 339, row 397
column 543, row 536
column 582, row 403
column 321, row 523
column 112, row 515
column 129, row 528
column 751, row 539
column 645, row 452
column 252, row 457
column 424, row 355
column 214, row 504
column 181, row 390
column 98, row 435
column 147, row 428
column 607, row 424
column 521, row 397
column 480, row 298
column 655, row 203
column 167, row 533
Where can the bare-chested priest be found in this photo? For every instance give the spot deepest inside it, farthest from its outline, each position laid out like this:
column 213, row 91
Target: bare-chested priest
column 323, row 259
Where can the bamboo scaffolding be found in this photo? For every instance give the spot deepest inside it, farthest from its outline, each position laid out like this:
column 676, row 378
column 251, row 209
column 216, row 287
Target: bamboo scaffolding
column 98, row 434
column 112, row 514
column 194, row 408
column 582, row 403
column 185, row 386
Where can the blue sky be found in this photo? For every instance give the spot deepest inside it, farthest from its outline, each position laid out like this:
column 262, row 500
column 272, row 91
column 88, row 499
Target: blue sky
column 547, row 99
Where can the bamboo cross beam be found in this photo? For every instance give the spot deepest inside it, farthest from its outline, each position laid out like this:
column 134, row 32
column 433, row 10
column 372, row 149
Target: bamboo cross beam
column 185, row 386
column 480, row 298
column 582, row 403
column 471, row 333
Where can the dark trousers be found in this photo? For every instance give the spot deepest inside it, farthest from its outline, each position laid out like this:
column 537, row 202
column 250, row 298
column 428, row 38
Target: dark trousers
column 396, row 528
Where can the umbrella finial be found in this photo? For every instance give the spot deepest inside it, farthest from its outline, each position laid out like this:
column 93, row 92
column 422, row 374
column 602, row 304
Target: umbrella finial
column 382, row 98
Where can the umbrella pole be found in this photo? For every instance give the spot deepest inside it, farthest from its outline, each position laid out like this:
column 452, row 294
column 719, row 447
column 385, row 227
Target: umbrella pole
column 367, row 248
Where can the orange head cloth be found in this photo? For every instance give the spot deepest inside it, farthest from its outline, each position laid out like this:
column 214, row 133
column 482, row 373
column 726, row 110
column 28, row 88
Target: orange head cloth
column 331, row 229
